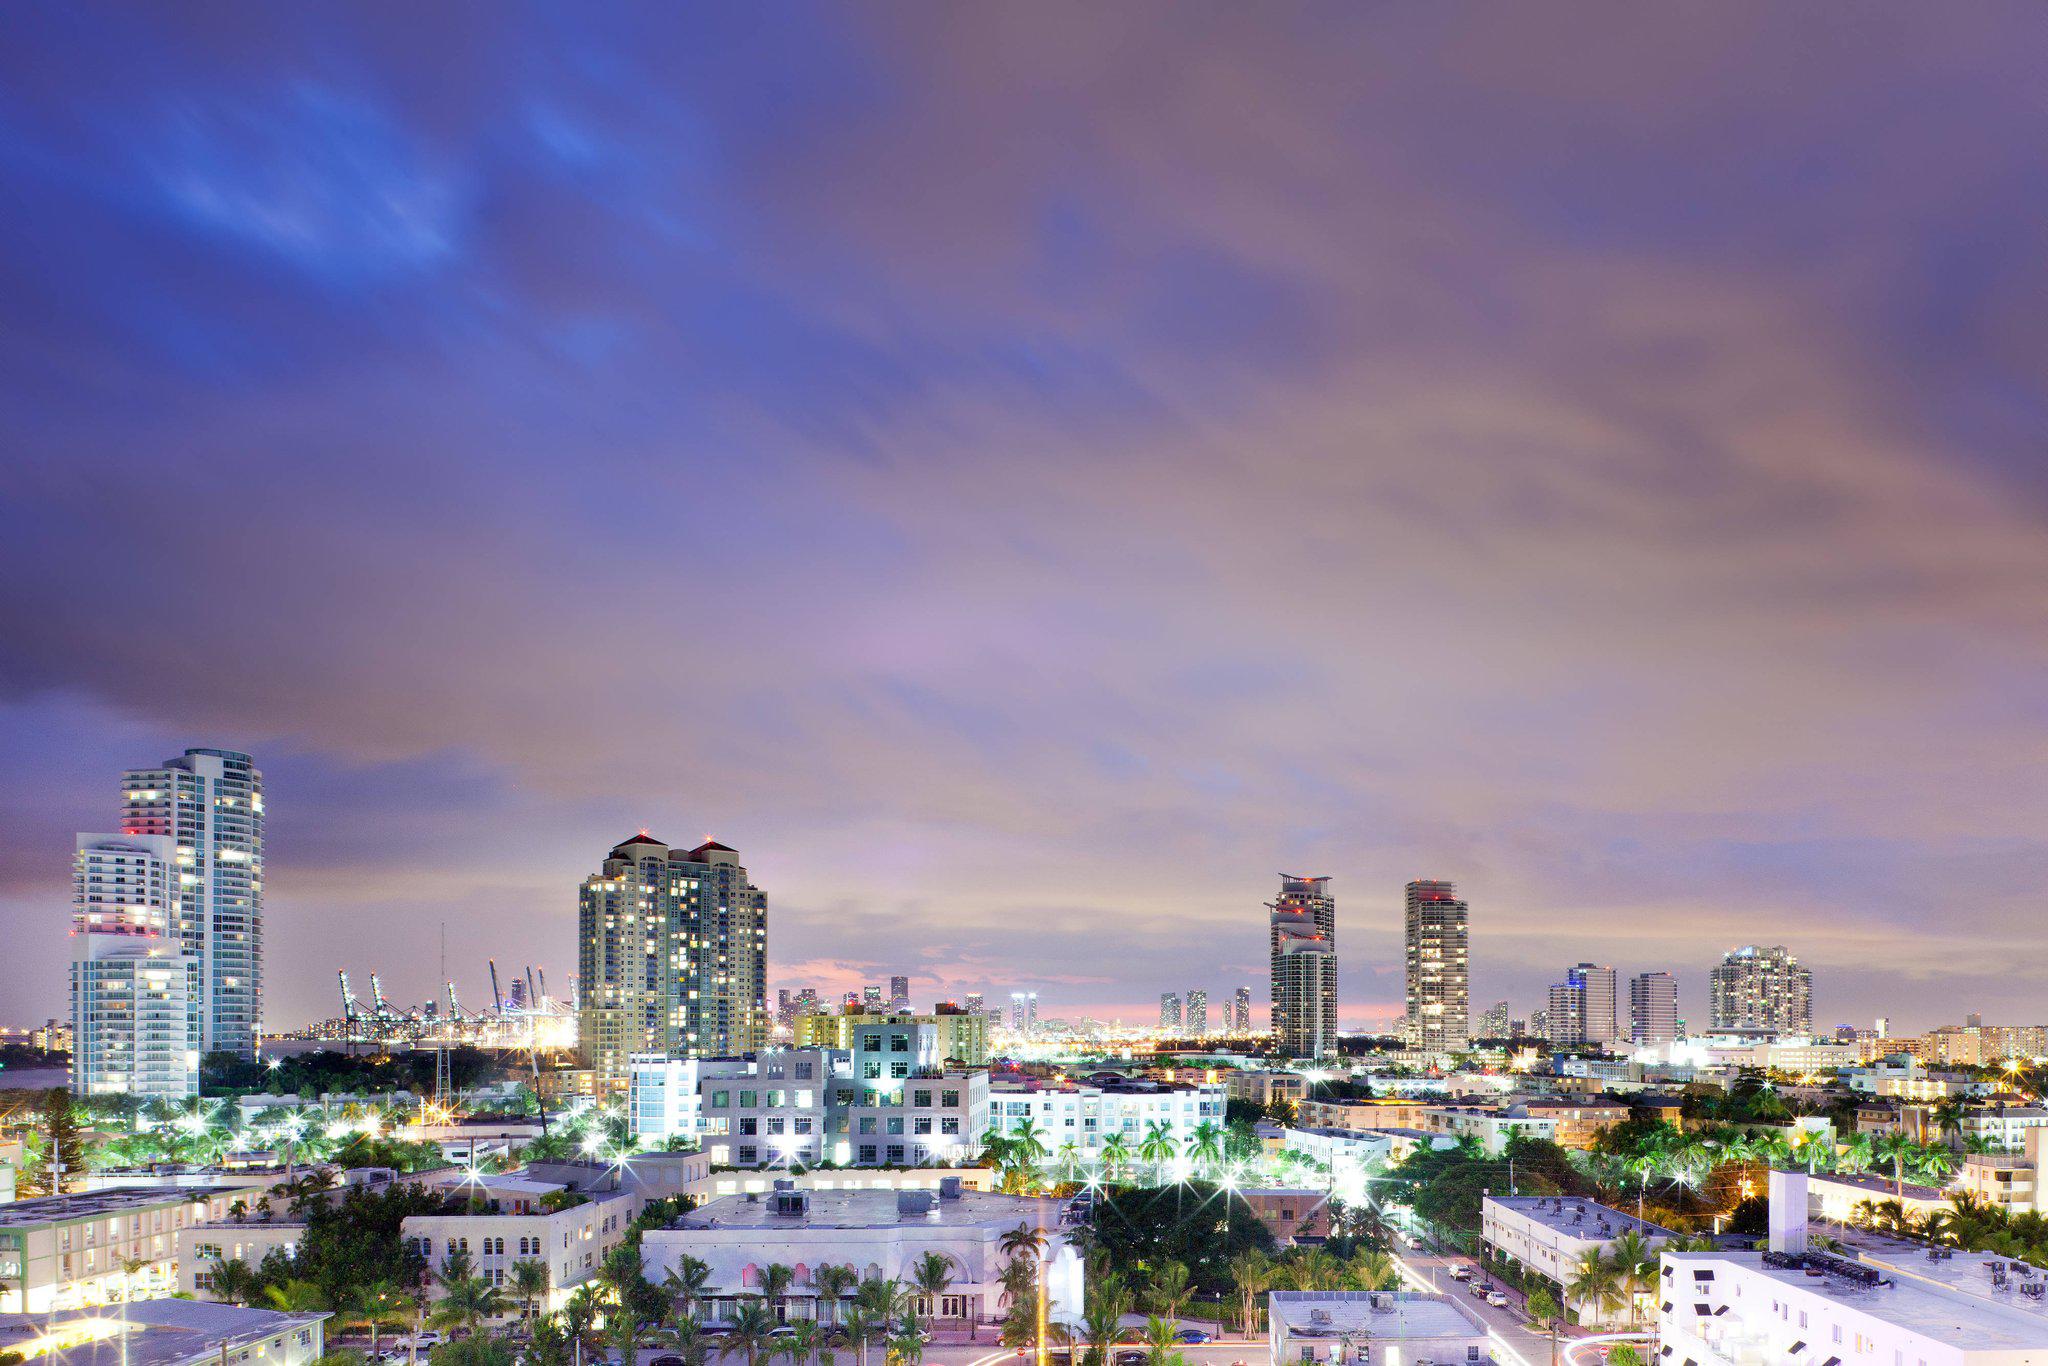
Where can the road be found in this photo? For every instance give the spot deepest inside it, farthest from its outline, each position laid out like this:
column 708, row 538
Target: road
column 1514, row 1343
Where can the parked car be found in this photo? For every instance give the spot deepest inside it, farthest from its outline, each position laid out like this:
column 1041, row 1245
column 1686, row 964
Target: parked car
column 1192, row 1335
column 1481, row 1289
column 1129, row 1357
column 1497, row 1300
column 1461, row 1273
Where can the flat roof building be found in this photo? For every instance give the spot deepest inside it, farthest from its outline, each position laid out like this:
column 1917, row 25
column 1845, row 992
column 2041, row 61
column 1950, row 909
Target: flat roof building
column 1372, row 1328
column 167, row 1332
column 877, row 1233
column 73, row 1251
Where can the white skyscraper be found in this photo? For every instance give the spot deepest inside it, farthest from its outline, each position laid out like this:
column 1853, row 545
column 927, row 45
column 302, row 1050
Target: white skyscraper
column 1198, row 1013
column 1582, row 1007
column 1653, row 1007
column 1302, row 939
column 1437, row 931
column 1762, row 989
column 134, row 1027
column 209, row 803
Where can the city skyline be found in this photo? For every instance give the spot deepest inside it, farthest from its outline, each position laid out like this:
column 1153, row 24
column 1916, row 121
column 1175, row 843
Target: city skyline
column 1022, row 475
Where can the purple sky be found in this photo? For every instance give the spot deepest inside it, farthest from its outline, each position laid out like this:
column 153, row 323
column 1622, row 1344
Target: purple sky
column 1026, row 475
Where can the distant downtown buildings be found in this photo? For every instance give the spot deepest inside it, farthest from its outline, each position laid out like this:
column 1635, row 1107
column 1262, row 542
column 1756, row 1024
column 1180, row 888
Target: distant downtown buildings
column 1302, row 925
column 1436, row 933
column 167, row 926
column 672, row 954
column 1582, row 1007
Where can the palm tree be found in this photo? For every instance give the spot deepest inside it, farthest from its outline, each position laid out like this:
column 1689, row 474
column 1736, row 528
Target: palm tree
column 1949, row 1116
column 530, row 1284
column 579, row 1315
column 932, row 1275
column 1158, row 1148
column 1103, row 1319
column 621, row 1274
column 1595, row 1283
column 296, row 1297
column 906, row 1348
column 860, row 1326
column 685, row 1337
column 467, row 1301
column 1635, row 1265
column 1312, row 1269
column 1855, row 1156
column 1023, row 1241
column 1373, row 1271
column 1160, row 1342
column 1027, row 1142
column 881, row 1296
column 833, row 1284
column 801, row 1341
column 684, row 1284
column 1935, row 1162
column 1205, row 1146
column 752, row 1332
column 1116, row 1155
column 234, row 1280
column 1170, row 1288
column 995, row 1148
column 1895, row 1147
column 383, row 1303
column 776, row 1280
column 1251, row 1275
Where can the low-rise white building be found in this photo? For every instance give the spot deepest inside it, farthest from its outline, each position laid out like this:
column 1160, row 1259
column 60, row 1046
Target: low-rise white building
column 808, row 1105
column 1550, row 1234
column 572, row 1242
column 72, row 1251
column 202, row 1247
column 877, row 1233
column 1490, row 1128
column 2005, row 1126
column 1738, row 1308
column 1078, row 1120
column 1372, row 1328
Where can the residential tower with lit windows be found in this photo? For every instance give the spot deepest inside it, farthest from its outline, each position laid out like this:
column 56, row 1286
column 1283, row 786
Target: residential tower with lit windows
column 209, row 804
column 672, row 956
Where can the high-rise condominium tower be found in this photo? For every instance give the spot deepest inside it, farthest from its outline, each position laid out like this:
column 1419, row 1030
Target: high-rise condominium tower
column 1169, row 1011
column 1303, row 927
column 871, row 1000
column 1653, row 1007
column 1582, row 1006
column 1439, row 984
column 672, row 956
column 1493, row 1022
column 1759, row 988
column 134, row 1024
column 1241, row 1011
column 1198, row 1013
column 899, row 995
column 209, row 804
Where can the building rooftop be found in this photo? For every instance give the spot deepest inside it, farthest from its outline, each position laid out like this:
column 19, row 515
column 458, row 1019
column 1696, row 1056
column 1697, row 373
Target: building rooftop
column 1365, row 1314
column 872, row 1209
column 159, row 1332
column 1950, row 1301
column 61, row 1209
column 1588, row 1219
column 1877, row 1185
